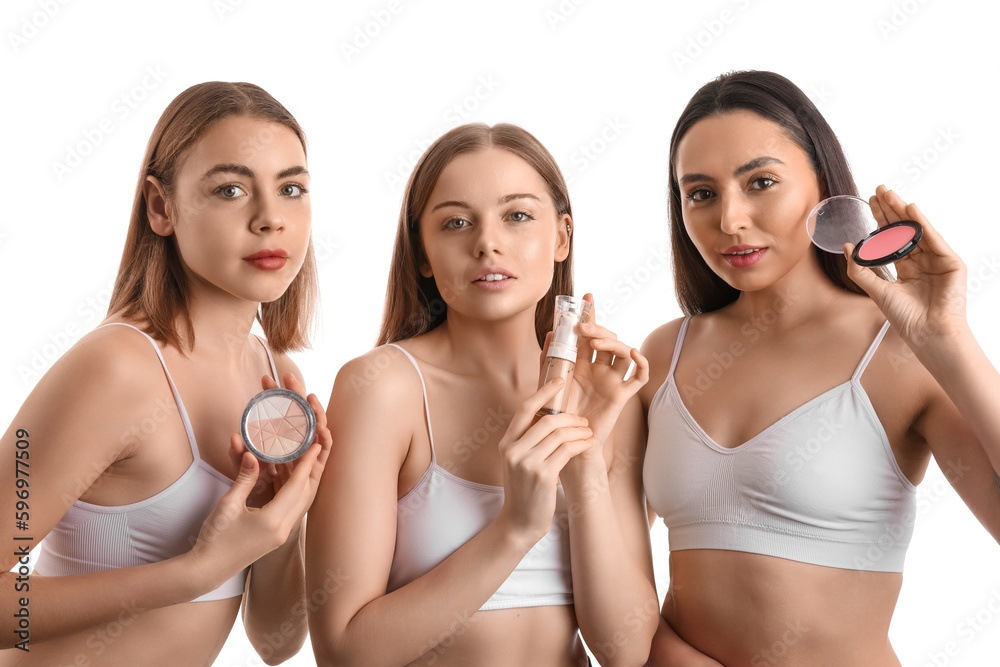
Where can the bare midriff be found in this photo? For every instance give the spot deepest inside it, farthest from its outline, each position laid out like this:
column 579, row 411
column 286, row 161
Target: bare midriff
column 749, row 609
column 511, row 638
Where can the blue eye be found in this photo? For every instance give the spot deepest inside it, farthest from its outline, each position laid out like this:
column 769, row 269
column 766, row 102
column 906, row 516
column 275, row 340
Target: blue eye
column 520, row 216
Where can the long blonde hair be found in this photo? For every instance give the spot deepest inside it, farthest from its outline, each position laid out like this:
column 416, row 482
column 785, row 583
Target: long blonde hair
column 413, row 304
column 151, row 285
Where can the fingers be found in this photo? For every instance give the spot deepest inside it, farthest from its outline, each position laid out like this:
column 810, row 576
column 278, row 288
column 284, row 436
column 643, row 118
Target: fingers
column 245, row 481
column 590, row 329
column 525, row 413
column 864, row 277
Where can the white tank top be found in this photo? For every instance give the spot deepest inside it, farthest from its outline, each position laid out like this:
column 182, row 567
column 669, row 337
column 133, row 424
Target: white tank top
column 442, row 512
column 91, row 538
column 821, row 485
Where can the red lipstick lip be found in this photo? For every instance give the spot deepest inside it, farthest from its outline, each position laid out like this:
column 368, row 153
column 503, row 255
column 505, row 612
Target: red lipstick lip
column 492, row 269
column 263, row 254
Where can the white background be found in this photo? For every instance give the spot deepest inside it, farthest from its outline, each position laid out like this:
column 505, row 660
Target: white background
column 600, row 83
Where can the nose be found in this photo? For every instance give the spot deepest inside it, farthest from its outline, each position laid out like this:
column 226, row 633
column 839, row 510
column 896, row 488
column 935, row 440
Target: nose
column 735, row 214
column 267, row 216
column 489, row 238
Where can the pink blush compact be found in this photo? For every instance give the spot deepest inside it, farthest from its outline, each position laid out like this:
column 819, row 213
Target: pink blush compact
column 888, row 243
column 278, row 425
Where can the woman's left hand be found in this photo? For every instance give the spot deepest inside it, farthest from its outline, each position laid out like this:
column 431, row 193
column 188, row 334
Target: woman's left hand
column 601, row 387
column 927, row 301
column 273, row 476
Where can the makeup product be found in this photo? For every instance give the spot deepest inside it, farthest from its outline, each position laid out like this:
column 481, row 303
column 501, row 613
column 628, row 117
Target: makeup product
column 561, row 355
column 846, row 219
column 278, row 425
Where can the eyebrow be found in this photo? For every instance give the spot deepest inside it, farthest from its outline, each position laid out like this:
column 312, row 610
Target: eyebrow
column 749, row 166
column 243, row 170
column 503, row 200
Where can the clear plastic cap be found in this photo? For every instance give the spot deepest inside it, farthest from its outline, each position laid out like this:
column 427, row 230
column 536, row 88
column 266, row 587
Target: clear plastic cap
column 839, row 220
column 570, row 311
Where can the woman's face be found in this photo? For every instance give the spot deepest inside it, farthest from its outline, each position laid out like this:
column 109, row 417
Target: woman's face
column 746, row 191
column 491, row 235
column 239, row 209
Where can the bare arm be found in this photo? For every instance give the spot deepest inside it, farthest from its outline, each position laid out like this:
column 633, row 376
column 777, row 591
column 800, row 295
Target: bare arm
column 351, row 528
column 275, row 606
column 73, row 426
column 613, row 591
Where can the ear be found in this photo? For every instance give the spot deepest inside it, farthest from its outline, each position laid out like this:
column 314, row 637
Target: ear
column 425, row 267
column 157, row 207
column 564, row 232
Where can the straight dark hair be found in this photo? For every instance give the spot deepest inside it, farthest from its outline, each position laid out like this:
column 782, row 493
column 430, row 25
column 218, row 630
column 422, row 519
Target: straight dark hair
column 413, row 303
column 771, row 96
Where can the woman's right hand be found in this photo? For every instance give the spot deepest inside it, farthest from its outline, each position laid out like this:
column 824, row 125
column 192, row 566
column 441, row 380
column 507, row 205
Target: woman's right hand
column 235, row 535
column 533, row 455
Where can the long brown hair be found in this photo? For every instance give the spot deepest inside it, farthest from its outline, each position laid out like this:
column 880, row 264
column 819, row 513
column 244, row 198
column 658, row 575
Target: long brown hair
column 777, row 99
column 413, row 304
column 151, row 285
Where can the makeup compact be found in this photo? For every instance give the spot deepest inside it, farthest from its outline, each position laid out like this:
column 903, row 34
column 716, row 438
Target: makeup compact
column 845, row 219
column 278, row 425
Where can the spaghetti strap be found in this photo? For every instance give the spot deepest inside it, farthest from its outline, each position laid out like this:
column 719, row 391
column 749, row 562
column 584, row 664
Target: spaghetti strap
column 678, row 345
column 870, row 353
column 423, row 388
column 181, row 410
column 270, row 360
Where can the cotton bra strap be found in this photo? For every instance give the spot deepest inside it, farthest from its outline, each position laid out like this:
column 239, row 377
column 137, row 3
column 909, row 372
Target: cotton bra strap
column 270, row 359
column 177, row 397
column 678, row 345
column 870, row 353
column 423, row 388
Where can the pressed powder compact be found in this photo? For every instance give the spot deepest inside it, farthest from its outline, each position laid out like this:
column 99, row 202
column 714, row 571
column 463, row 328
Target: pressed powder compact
column 278, row 425
column 845, row 219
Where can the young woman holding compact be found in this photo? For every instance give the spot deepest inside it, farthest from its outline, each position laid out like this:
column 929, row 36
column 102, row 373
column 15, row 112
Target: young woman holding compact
column 442, row 503
column 148, row 538
column 786, row 471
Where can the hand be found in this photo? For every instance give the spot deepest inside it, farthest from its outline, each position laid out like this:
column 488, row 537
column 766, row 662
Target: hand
column 599, row 389
column 533, row 455
column 273, row 475
column 928, row 299
column 236, row 534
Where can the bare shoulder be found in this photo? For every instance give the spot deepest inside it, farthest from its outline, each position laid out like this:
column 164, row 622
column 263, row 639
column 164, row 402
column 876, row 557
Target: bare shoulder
column 658, row 348
column 377, row 397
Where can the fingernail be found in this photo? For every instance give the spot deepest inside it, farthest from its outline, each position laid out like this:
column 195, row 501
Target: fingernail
column 247, row 463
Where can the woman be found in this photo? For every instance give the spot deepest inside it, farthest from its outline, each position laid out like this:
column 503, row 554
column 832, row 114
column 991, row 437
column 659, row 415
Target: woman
column 127, row 439
column 788, row 419
column 443, row 496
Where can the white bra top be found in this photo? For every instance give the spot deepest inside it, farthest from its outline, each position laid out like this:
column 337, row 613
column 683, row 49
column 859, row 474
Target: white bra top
column 442, row 512
column 91, row 538
column 821, row 485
